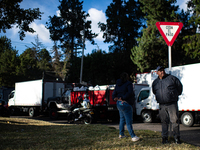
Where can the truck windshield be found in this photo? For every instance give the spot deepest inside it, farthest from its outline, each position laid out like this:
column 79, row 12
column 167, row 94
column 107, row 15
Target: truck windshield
column 143, row 95
column 11, row 95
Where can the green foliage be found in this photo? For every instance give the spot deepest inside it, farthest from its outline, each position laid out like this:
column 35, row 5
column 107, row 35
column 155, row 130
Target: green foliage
column 69, row 29
column 60, row 61
column 28, row 68
column 34, row 62
column 137, row 45
column 8, row 62
column 98, row 68
column 73, row 76
column 152, row 50
column 192, row 46
column 191, row 40
column 33, row 65
column 44, row 60
column 11, row 14
column 194, row 8
column 124, row 22
column 69, row 26
column 162, row 10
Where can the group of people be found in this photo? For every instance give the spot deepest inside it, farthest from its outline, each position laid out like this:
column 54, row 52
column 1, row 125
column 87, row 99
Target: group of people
column 166, row 88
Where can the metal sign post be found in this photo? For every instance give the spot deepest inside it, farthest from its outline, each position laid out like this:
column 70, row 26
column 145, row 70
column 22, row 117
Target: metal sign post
column 170, row 58
column 169, row 31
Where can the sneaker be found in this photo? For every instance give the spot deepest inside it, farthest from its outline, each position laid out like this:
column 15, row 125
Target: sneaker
column 177, row 140
column 122, row 136
column 76, row 119
column 134, row 139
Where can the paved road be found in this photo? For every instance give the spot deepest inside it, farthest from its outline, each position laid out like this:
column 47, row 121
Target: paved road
column 189, row 135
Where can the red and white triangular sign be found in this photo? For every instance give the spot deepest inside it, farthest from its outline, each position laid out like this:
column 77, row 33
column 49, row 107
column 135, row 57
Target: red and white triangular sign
column 169, row 31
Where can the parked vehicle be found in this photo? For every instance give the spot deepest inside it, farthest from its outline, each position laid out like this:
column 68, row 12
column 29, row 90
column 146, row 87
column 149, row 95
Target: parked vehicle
column 56, row 98
column 39, row 96
column 103, row 106
column 4, row 92
column 189, row 110
column 85, row 116
column 4, row 111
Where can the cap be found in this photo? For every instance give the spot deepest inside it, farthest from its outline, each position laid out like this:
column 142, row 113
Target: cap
column 159, row 67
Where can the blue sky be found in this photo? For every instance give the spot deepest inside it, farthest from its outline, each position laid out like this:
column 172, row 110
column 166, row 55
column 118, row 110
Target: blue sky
column 96, row 9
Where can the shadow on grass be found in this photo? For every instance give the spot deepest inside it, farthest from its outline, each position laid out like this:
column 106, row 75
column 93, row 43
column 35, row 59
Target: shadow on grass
column 30, row 134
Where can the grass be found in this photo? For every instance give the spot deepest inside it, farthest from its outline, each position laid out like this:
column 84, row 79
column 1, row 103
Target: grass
column 20, row 133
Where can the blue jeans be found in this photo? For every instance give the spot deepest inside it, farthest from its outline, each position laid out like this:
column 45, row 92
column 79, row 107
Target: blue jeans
column 169, row 113
column 126, row 116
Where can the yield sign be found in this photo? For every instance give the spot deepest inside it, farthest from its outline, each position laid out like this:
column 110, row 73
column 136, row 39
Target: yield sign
column 169, row 31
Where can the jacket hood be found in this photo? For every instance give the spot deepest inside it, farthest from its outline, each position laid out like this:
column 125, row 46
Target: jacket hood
column 119, row 82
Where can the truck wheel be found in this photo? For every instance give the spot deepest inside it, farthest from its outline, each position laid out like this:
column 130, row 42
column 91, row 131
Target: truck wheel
column 187, row 119
column 12, row 111
column 53, row 114
column 147, row 116
column 88, row 119
column 31, row 112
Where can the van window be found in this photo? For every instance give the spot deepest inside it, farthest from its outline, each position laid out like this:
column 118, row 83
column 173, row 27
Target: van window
column 143, row 95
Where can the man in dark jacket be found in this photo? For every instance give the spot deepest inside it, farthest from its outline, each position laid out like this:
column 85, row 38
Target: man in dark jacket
column 167, row 88
column 124, row 96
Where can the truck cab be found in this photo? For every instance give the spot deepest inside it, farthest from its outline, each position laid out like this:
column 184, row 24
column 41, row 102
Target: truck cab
column 11, row 98
column 146, row 105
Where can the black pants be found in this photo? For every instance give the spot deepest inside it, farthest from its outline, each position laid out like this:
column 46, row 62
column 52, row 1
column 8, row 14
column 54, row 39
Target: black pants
column 169, row 113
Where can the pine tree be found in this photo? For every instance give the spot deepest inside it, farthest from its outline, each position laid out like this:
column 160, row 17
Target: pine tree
column 68, row 27
column 152, row 49
column 192, row 40
column 59, row 65
column 9, row 60
column 122, row 28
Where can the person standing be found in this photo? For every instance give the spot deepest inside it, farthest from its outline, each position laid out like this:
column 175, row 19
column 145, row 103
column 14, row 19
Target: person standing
column 124, row 96
column 167, row 88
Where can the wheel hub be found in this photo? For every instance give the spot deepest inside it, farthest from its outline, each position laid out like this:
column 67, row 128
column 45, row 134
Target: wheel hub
column 187, row 119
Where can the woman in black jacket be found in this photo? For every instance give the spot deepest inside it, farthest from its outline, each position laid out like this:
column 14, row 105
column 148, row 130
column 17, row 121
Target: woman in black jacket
column 124, row 96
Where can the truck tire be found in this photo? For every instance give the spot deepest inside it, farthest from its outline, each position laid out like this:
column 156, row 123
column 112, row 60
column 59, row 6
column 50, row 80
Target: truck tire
column 53, row 114
column 12, row 111
column 187, row 119
column 147, row 116
column 31, row 112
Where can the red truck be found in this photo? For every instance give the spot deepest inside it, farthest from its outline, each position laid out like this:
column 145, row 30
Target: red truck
column 101, row 101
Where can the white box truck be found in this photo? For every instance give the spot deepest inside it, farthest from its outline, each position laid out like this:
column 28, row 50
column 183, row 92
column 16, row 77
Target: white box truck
column 189, row 102
column 39, row 96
